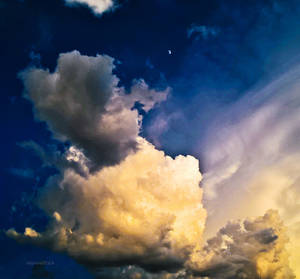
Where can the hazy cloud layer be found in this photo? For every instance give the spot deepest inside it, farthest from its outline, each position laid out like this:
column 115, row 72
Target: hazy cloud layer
column 82, row 103
column 252, row 154
column 24, row 173
column 97, row 6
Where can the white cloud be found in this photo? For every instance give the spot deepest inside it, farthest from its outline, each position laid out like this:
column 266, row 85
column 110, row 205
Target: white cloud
column 97, row 6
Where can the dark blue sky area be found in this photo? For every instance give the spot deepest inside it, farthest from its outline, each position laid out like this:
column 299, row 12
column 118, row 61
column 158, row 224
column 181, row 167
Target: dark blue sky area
column 234, row 46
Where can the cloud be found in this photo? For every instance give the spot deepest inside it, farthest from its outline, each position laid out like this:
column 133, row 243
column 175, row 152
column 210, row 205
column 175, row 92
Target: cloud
column 159, row 125
column 50, row 156
column 145, row 211
column 124, row 209
column 97, row 6
column 249, row 249
column 82, row 103
column 202, row 31
column 25, row 173
column 252, row 154
column 134, row 272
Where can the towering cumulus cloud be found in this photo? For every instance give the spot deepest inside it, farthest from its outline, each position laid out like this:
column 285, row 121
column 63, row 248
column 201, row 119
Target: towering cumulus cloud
column 146, row 211
column 97, row 6
column 134, row 205
column 133, row 212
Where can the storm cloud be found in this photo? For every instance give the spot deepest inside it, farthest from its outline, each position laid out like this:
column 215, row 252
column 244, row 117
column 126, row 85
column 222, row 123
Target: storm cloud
column 82, row 103
column 249, row 249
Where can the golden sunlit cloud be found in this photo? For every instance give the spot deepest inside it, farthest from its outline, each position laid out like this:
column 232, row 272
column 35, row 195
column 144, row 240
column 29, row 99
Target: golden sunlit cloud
column 147, row 211
column 255, row 160
column 140, row 212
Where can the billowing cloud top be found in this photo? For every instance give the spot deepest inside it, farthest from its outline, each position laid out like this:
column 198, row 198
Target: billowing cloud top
column 250, row 249
column 146, row 211
column 97, row 6
column 82, row 103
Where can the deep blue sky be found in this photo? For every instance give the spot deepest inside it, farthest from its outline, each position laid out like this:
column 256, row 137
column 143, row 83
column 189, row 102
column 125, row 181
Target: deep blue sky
column 251, row 42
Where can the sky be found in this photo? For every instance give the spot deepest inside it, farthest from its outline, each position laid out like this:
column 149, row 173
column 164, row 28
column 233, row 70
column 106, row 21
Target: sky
column 150, row 139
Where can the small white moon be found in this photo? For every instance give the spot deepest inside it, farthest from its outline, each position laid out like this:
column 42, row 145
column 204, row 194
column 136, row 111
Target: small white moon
column 169, row 51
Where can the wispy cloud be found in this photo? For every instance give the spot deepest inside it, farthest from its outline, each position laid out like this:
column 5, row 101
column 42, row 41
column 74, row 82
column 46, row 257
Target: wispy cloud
column 202, row 31
column 252, row 152
column 25, row 173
